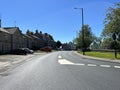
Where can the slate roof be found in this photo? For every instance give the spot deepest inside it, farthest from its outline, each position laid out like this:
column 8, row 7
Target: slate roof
column 11, row 30
column 33, row 36
column 3, row 30
column 27, row 36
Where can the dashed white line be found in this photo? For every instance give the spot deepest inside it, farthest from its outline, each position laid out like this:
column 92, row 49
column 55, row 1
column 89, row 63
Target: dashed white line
column 92, row 65
column 107, row 66
column 81, row 64
column 67, row 62
column 116, row 66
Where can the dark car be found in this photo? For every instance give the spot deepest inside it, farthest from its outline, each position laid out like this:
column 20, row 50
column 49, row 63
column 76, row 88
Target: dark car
column 19, row 52
column 29, row 51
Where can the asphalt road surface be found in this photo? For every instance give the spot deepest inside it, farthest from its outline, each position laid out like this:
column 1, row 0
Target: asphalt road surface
column 63, row 70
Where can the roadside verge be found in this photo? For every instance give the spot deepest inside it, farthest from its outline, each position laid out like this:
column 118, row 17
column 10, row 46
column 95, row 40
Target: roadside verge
column 96, row 58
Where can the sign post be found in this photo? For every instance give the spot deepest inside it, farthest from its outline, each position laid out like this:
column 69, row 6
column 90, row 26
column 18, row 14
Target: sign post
column 114, row 38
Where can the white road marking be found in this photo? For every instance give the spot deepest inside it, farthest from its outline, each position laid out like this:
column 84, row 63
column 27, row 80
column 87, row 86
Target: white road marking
column 59, row 57
column 105, row 66
column 64, row 61
column 116, row 66
column 67, row 62
column 92, row 65
column 81, row 64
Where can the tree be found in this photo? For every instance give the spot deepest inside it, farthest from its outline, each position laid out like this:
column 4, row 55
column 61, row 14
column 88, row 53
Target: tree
column 106, row 44
column 58, row 44
column 88, row 38
column 112, row 22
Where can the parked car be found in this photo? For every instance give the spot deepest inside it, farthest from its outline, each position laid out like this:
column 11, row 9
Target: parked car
column 46, row 49
column 19, row 52
column 28, row 50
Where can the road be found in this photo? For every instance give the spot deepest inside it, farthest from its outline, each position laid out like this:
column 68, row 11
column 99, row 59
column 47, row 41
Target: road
column 63, row 70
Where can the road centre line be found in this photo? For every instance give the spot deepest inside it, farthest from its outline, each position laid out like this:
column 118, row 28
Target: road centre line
column 92, row 65
column 116, row 66
column 105, row 66
column 67, row 62
column 81, row 64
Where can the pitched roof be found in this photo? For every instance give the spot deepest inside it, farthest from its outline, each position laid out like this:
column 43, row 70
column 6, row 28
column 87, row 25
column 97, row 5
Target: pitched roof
column 34, row 36
column 27, row 36
column 11, row 30
column 3, row 30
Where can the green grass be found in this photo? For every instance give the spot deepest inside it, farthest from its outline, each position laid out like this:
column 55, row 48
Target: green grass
column 108, row 55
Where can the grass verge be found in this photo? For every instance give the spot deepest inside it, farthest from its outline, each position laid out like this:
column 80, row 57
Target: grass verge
column 108, row 55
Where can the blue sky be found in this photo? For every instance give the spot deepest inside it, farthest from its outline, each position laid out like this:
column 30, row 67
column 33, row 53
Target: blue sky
column 56, row 17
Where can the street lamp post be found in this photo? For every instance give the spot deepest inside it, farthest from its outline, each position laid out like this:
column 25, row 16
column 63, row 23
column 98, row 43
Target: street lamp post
column 83, row 49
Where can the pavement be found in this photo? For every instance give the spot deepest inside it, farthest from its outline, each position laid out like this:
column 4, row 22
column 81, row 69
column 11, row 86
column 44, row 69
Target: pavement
column 96, row 58
column 7, row 60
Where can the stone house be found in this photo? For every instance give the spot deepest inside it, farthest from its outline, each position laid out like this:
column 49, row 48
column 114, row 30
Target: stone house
column 11, row 38
column 48, row 40
column 35, row 42
column 16, row 37
column 41, row 40
column 40, row 36
column 28, row 41
column 5, row 41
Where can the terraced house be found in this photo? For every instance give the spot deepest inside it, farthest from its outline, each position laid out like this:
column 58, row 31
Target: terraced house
column 5, row 41
column 12, row 38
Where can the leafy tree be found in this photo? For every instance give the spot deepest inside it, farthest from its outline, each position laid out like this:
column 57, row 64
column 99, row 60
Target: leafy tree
column 88, row 38
column 115, row 45
column 112, row 25
column 106, row 44
column 112, row 21
column 58, row 44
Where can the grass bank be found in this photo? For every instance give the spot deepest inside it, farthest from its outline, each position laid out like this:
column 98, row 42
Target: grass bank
column 108, row 55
